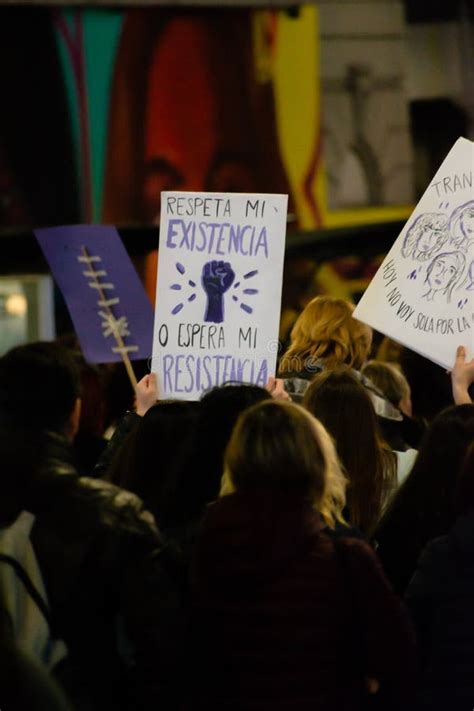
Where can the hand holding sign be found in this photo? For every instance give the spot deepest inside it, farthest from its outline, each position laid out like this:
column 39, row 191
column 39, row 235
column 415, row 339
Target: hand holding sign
column 462, row 377
column 276, row 388
column 146, row 394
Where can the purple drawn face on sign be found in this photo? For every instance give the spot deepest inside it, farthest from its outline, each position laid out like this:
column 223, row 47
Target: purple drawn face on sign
column 467, row 223
column 444, row 273
column 430, row 240
column 426, row 235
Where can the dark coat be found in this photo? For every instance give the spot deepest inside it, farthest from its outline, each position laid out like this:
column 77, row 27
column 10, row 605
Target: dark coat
column 111, row 587
column 127, row 424
column 404, row 531
column 399, row 547
column 284, row 617
column 441, row 600
column 179, row 537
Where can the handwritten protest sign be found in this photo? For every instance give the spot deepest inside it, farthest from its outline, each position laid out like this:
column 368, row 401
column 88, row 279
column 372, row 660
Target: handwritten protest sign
column 423, row 294
column 111, row 312
column 219, row 290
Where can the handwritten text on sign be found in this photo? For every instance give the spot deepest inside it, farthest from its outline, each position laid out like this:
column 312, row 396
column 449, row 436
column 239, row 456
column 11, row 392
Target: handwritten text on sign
column 423, row 294
column 219, row 290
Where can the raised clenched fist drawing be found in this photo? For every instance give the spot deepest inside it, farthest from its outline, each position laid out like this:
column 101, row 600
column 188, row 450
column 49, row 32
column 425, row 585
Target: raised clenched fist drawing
column 216, row 278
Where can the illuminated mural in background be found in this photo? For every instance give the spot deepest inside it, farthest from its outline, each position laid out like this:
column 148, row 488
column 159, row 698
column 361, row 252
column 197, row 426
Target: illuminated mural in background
column 157, row 97
column 121, row 104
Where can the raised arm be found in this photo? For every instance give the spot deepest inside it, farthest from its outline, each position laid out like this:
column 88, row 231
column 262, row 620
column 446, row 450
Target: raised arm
column 462, row 376
column 146, row 395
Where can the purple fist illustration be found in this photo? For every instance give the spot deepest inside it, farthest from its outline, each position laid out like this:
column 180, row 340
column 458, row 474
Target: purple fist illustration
column 217, row 278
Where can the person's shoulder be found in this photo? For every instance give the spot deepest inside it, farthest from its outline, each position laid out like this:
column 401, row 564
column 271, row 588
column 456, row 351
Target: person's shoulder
column 356, row 546
column 437, row 546
column 349, row 544
column 114, row 507
column 435, row 571
column 358, row 551
column 436, row 552
column 341, row 530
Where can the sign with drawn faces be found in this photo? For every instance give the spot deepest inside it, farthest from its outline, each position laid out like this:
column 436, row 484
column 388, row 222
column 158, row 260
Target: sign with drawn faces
column 423, row 294
column 219, row 290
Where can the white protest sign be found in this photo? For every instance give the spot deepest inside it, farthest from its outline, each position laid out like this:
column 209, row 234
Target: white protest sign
column 423, row 294
column 219, row 290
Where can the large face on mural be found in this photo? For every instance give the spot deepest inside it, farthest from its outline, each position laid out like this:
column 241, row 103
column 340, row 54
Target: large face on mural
column 197, row 117
column 185, row 135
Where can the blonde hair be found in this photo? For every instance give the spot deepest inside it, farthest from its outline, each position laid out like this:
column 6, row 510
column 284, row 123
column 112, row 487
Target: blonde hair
column 279, row 446
column 389, row 351
column 327, row 330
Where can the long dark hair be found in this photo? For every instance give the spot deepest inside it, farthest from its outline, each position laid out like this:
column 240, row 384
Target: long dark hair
column 220, row 410
column 464, row 493
column 423, row 508
column 344, row 407
column 156, row 459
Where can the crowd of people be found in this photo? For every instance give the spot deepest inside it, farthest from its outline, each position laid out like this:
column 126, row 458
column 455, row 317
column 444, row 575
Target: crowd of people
column 303, row 546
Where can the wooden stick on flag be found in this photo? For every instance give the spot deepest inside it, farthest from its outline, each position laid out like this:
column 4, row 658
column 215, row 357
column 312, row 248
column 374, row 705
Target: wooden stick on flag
column 113, row 321
column 110, row 310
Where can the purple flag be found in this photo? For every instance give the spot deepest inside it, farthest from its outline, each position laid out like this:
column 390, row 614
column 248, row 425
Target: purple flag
column 107, row 302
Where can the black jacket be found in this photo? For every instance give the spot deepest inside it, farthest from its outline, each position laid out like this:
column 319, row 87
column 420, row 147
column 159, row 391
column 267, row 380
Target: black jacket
column 113, row 590
column 441, row 599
